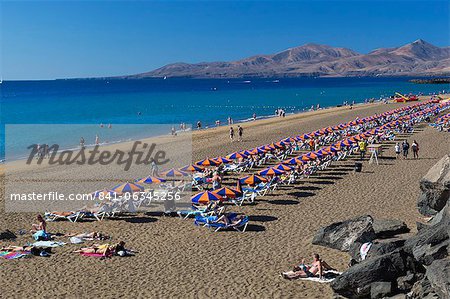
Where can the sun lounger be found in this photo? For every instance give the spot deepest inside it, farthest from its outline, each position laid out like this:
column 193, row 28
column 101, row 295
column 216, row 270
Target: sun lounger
column 71, row 216
column 212, row 222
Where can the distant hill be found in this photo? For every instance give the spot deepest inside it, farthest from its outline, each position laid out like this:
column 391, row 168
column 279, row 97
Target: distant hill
column 418, row 58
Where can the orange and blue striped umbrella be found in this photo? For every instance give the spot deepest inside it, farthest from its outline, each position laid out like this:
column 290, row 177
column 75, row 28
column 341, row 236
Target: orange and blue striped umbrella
column 305, row 158
column 237, row 155
column 226, row 192
column 223, row 160
column 105, row 193
column 207, row 162
column 293, row 161
column 174, row 173
column 246, row 152
column 289, row 140
column 315, row 155
column 252, row 179
column 283, row 167
column 322, row 153
column 271, row 172
column 150, row 180
column 128, row 188
column 257, row 150
column 192, row 168
column 205, row 197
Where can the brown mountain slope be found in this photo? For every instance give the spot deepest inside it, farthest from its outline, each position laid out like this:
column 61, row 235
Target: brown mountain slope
column 416, row 58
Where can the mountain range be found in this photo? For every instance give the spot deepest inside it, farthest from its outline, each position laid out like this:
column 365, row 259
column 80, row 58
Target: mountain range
column 418, row 58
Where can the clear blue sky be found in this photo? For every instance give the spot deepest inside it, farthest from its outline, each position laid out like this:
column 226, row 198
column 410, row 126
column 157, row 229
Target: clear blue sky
column 46, row 40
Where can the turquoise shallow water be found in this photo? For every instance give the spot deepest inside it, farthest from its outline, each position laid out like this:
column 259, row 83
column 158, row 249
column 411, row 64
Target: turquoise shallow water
column 174, row 101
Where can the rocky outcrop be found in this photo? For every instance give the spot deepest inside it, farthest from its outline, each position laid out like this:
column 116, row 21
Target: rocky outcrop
column 341, row 235
column 418, row 266
column 435, row 187
column 385, row 228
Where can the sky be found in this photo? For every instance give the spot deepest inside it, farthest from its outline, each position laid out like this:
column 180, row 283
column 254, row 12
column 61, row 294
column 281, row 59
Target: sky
column 61, row 39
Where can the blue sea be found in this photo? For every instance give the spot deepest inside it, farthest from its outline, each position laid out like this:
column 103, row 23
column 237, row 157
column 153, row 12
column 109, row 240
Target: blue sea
column 172, row 101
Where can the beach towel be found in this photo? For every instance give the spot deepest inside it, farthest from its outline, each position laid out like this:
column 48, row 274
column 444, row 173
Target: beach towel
column 328, row 276
column 364, row 250
column 76, row 240
column 14, row 254
column 48, row 244
column 41, row 235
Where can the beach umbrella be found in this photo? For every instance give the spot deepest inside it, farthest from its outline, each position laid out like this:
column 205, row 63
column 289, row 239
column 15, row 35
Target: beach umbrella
column 305, row 158
column 246, row 152
column 223, row 160
column 205, row 197
column 228, row 192
column 312, row 155
column 128, row 188
column 322, row 153
column 271, row 172
column 105, row 193
column 257, row 150
column 237, row 155
column 252, row 179
column 329, row 130
column 207, row 162
column 192, row 168
column 289, row 140
column 267, row 148
column 283, row 167
column 150, row 180
column 174, row 173
column 293, row 161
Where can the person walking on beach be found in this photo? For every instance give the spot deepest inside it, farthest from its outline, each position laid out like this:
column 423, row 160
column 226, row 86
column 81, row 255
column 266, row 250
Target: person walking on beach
column 397, row 150
column 254, row 116
column 405, row 147
column 362, row 148
column 240, row 132
column 154, row 169
column 97, row 140
column 82, row 143
column 231, row 134
column 415, row 149
column 199, row 125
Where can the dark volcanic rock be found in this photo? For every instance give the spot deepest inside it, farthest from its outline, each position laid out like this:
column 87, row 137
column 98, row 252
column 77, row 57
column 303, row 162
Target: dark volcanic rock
column 356, row 281
column 380, row 289
column 430, row 243
column 438, row 273
column 423, row 290
column 435, row 187
column 7, row 235
column 389, row 227
column 378, row 248
column 341, row 235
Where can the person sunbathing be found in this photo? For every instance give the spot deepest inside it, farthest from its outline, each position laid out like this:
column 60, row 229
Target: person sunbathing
column 303, row 271
column 230, row 220
column 89, row 236
column 96, row 248
column 12, row 248
column 106, row 249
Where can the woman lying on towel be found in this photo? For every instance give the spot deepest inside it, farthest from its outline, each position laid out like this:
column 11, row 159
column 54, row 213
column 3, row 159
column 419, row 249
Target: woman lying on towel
column 303, row 271
column 106, row 249
column 30, row 249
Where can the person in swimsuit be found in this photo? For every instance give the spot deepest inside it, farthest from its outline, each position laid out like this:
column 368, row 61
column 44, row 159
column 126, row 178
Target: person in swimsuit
column 303, row 271
column 41, row 225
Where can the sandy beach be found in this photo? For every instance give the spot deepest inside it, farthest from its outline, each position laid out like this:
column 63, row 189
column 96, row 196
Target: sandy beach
column 177, row 259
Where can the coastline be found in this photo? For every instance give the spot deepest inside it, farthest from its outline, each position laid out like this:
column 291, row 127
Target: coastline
column 282, row 223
